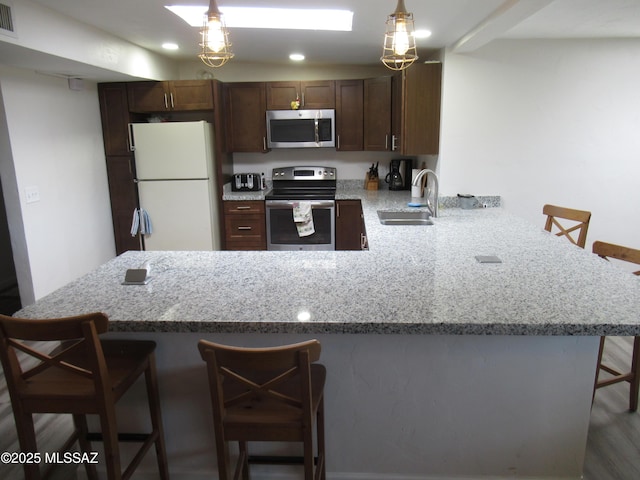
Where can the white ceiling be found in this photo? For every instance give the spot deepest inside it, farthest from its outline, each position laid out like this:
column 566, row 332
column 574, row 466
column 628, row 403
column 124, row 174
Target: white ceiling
column 460, row 24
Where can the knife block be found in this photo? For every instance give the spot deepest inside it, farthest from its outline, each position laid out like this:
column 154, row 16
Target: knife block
column 370, row 183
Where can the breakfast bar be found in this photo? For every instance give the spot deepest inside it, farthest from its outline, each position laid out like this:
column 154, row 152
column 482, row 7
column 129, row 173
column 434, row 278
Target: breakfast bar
column 439, row 366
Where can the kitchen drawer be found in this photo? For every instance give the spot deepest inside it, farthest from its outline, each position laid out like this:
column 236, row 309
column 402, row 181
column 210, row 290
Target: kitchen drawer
column 245, row 227
column 245, row 231
column 244, row 208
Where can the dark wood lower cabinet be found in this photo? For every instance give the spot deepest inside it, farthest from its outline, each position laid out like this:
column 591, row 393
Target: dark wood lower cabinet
column 244, row 223
column 350, row 229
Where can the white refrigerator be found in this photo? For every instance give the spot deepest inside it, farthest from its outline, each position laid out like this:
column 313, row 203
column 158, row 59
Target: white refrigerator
column 175, row 175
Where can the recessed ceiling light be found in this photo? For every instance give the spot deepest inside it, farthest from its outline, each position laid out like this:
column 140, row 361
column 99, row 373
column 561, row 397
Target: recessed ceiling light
column 422, row 33
column 170, row 46
column 296, row 57
column 282, row 18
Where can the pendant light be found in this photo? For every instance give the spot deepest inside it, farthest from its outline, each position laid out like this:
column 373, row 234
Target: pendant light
column 215, row 44
column 399, row 50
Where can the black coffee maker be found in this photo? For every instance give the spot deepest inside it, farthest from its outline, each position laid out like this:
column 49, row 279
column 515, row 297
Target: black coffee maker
column 399, row 176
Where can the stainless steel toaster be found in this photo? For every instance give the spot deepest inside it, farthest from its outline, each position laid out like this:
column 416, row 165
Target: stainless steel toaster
column 246, row 182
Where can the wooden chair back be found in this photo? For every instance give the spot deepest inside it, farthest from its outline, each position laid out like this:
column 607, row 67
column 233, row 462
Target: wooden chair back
column 609, row 250
column 259, row 373
column 266, row 394
column 62, row 366
column 81, row 341
column 632, row 375
column 582, row 217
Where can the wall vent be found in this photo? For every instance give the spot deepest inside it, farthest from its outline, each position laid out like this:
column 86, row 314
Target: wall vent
column 6, row 19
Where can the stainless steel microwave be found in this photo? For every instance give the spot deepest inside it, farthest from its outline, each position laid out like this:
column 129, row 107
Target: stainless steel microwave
column 301, row 128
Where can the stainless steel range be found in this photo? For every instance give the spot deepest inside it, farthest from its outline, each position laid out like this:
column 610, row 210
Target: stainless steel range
column 301, row 209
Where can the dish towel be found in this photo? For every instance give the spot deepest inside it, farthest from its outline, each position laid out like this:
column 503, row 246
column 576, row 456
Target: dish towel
column 141, row 223
column 303, row 216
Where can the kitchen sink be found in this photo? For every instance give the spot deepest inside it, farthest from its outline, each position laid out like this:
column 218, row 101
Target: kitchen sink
column 388, row 217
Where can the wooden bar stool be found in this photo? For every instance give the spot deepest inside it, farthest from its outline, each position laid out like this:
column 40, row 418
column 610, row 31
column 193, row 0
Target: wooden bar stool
column 82, row 376
column 582, row 218
column 267, row 395
column 607, row 251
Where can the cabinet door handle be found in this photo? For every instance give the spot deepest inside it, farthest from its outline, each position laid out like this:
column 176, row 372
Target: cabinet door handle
column 171, row 97
column 132, row 147
column 393, row 143
column 166, row 102
column 244, row 228
column 243, row 207
column 303, row 99
column 264, row 144
column 386, row 142
column 338, row 146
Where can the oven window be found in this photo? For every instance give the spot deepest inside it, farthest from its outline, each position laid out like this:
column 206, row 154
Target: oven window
column 284, row 232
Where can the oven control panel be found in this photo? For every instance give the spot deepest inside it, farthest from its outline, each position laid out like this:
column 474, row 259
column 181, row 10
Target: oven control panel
column 304, row 173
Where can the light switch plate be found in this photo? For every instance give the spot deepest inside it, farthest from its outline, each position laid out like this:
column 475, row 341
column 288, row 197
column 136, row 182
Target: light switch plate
column 32, row 194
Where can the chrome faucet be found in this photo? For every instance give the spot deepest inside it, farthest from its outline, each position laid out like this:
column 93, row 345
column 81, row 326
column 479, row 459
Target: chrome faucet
column 416, row 190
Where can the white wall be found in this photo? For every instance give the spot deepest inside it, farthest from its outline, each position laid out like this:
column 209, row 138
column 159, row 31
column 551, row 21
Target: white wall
column 52, row 140
column 70, row 46
column 547, row 122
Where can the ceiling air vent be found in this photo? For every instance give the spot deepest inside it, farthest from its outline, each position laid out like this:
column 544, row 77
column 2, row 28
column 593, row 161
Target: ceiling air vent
column 6, row 20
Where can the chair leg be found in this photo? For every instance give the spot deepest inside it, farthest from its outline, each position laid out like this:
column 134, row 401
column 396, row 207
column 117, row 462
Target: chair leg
column 308, row 453
column 27, row 440
column 153, row 397
column 80, row 422
column 634, row 384
column 320, row 435
column 222, row 454
column 244, row 455
column 595, row 382
column 110, row 443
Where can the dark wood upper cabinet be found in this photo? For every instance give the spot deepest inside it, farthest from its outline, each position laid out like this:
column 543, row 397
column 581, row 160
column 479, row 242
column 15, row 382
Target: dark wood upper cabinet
column 114, row 112
column 377, row 114
column 312, row 95
column 179, row 95
column 416, row 110
column 349, row 115
column 245, row 114
column 402, row 112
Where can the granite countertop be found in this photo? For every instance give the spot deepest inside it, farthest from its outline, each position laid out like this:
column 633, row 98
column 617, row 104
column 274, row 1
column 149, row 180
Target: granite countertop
column 413, row 280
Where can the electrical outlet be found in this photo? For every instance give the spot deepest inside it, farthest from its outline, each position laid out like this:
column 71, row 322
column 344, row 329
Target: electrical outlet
column 32, row 194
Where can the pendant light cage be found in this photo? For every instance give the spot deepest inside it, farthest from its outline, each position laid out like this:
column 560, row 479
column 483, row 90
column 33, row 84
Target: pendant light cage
column 399, row 49
column 215, row 45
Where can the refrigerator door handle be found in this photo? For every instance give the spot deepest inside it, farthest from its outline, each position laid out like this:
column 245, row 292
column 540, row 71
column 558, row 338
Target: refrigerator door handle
column 132, row 146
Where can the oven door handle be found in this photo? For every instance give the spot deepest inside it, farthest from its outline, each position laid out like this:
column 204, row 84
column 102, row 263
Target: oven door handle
column 289, row 203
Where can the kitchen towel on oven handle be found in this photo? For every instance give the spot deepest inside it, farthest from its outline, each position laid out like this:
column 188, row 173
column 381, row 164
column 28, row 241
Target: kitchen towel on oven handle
column 303, row 218
column 141, row 222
